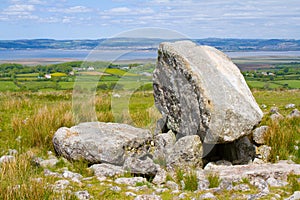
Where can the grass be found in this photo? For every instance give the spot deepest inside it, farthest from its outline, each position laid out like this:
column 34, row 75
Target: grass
column 8, row 86
column 214, row 180
column 33, row 118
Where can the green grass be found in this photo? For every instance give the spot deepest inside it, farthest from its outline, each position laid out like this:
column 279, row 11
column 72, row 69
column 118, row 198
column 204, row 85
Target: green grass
column 118, row 72
column 58, row 74
column 214, row 180
column 292, row 84
column 28, row 75
column 8, row 86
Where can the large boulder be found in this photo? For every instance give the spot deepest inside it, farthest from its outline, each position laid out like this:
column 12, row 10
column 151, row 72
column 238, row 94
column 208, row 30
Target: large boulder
column 98, row 142
column 199, row 91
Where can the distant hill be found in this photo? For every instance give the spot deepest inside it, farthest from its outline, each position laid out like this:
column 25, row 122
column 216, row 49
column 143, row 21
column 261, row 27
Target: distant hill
column 150, row 44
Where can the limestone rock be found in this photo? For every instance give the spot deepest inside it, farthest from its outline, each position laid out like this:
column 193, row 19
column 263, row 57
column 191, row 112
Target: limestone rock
column 7, row 159
column 82, row 195
column 294, row 113
column 259, row 134
column 295, row 196
column 98, row 142
column 264, row 151
column 160, row 177
column 130, row 181
column 290, row 105
column 199, row 91
column 141, row 166
column 163, row 145
column 148, row 197
column 207, row 196
column 107, row 170
column 187, row 151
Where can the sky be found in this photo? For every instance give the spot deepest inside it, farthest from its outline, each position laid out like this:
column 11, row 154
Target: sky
column 95, row 19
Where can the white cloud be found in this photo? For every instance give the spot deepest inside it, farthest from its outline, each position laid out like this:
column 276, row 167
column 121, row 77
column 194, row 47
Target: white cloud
column 120, row 10
column 19, row 9
column 74, row 9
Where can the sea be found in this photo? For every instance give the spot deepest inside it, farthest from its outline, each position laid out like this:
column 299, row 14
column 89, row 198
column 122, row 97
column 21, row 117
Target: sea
column 112, row 55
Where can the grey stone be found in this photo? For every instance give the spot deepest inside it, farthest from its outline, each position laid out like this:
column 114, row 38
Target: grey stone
column 295, row 196
column 294, row 113
column 259, row 134
column 116, row 189
column 276, row 117
column 274, row 110
column 106, row 170
column 130, row 181
column 261, row 184
column 199, row 91
column 49, row 163
column 140, row 166
column 7, row 159
column 245, row 151
column 130, row 194
column 61, row 185
column 242, row 187
column 182, row 195
column 82, row 195
column 203, row 184
column 71, row 175
column 172, row 185
column 148, row 197
column 290, row 105
column 187, row 151
column 264, row 151
column 12, row 152
column 160, row 177
column 276, row 183
column 98, row 142
column 207, row 196
column 163, row 145
column 223, row 162
column 47, row 172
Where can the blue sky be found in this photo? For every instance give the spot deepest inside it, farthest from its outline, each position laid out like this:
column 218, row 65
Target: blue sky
column 91, row 19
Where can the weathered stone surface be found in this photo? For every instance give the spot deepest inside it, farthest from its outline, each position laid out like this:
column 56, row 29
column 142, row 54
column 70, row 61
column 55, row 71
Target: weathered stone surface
column 148, row 197
column 130, row 181
column 141, row 166
column 107, row 170
column 98, row 142
column 163, row 145
column 7, row 159
column 264, row 152
column 259, row 134
column 294, row 113
column 199, row 91
column 160, row 177
column 82, row 195
column 207, row 196
column 187, row 151
column 295, row 196
column 278, row 171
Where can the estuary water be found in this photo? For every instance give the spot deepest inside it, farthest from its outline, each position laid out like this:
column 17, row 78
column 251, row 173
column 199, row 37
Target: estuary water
column 111, row 55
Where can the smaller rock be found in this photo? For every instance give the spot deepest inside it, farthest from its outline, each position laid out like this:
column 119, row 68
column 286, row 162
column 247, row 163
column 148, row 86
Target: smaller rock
column 276, row 183
column 264, row 151
column 130, row 181
column 148, row 197
column 258, row 161
column 163, row 145
column 140, row 166
column 172, row 185
column 71, row 175
column 47, row 172
column 61, row 185
column 182, row 195
column 7, row 159
column 82, row 195
column 160, row 177
column 295, row 196
column 116, row 189
column 160, row 190
column 259, row 134
column 207, row 196
column 187, row 151
column 130, row 194
column 223, row 162
column 49, row 163
column 261, row 184
column 12, row 152
column 274, row 110
column 276, row 117
column 263, row 106
column 290, row 105
column 241, row 187
column 226, row 184
column 106, row 170
column 294, row 113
